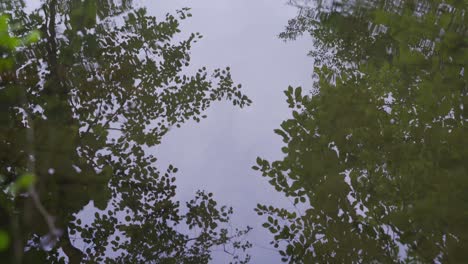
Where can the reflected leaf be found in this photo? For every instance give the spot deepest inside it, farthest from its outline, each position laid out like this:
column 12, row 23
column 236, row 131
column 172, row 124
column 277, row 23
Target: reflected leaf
column 4, row 240
column 23, row 183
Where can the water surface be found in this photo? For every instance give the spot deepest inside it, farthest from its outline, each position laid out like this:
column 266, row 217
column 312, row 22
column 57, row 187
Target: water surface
column 128, row 137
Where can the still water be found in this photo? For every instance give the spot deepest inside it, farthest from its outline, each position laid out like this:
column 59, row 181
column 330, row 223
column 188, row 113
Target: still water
column 233, row 131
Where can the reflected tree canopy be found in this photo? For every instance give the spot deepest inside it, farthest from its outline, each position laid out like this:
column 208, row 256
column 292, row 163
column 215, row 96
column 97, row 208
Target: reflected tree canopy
column 375, row 159
column 79, row 107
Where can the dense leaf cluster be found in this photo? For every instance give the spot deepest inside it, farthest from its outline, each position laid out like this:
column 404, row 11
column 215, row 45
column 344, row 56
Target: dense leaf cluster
column 376, row 159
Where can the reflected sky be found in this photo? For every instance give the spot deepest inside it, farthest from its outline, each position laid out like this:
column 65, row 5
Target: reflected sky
column 378, row 47
column 86, row 106
column 243, row 35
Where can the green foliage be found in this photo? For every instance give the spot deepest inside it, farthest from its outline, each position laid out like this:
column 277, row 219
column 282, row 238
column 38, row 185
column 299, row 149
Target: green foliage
column 104, row 83
column 4, row 240
column 23, row 183
column 8, row 46
column 376, row 159
column 9, row 43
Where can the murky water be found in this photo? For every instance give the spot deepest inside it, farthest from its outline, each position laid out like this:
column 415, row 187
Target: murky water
column 139, row 131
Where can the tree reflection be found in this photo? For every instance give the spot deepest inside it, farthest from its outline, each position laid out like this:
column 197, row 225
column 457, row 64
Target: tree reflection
column 104, row 83
column 375, row 160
